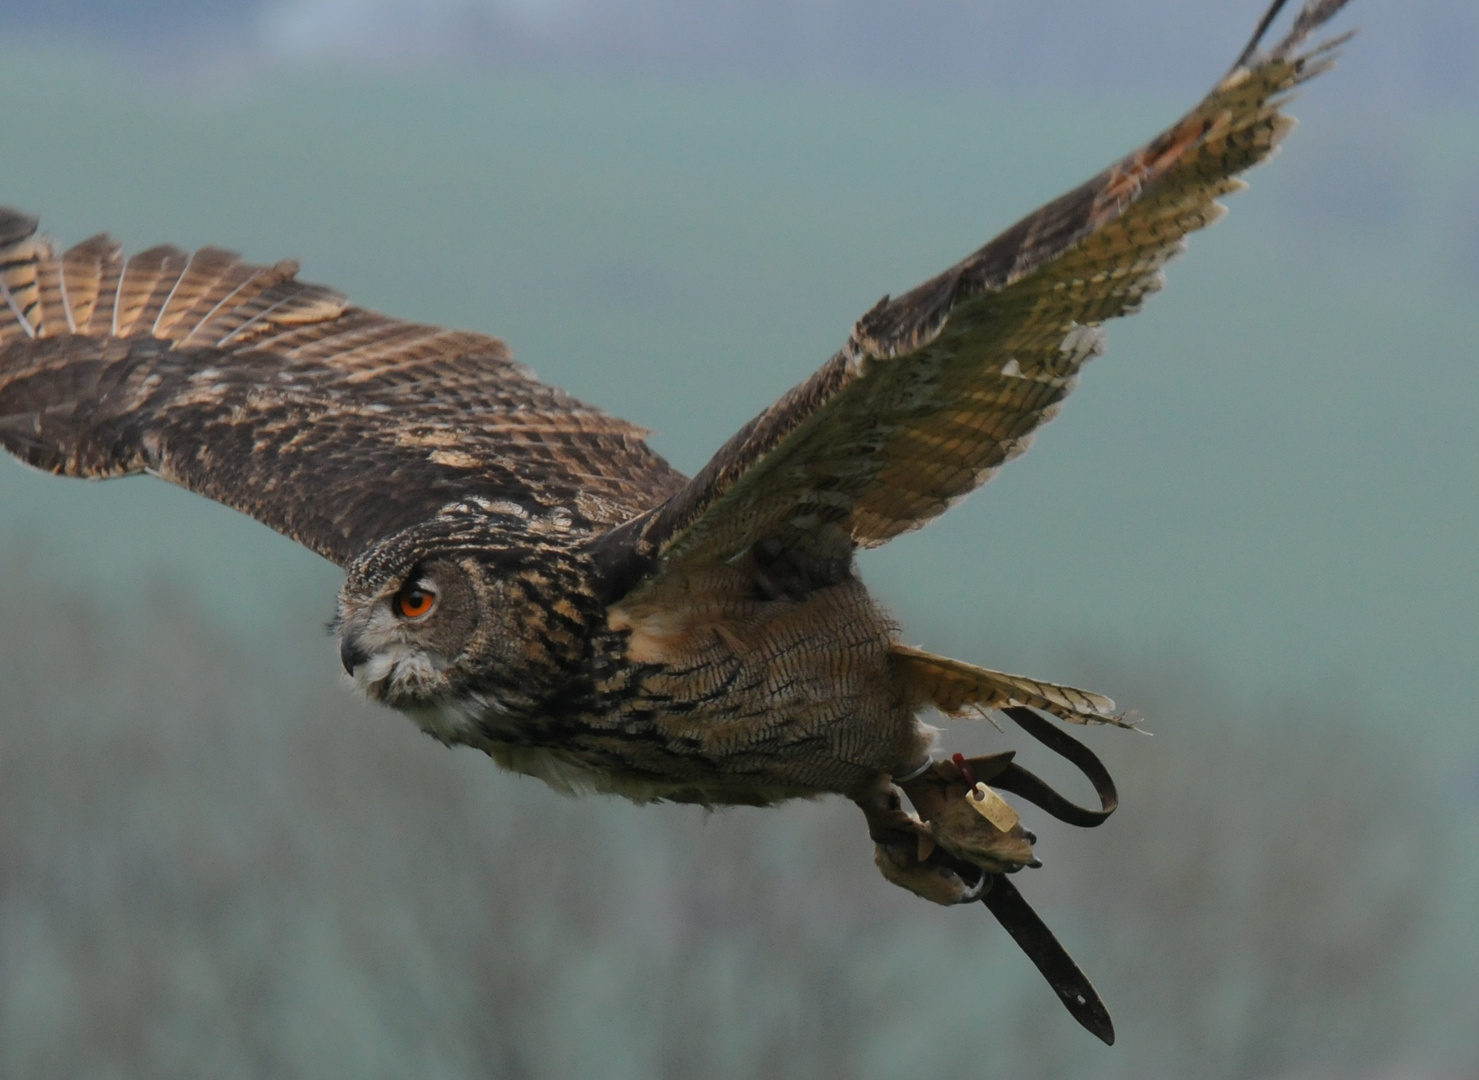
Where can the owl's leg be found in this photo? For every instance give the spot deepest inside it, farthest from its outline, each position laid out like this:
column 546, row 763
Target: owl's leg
column 906, row 854
column 963, row 833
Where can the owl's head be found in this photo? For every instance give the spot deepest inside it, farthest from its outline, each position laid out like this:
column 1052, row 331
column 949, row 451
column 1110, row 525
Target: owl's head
column 405, row 635
column 466, row 618
column 457, row 626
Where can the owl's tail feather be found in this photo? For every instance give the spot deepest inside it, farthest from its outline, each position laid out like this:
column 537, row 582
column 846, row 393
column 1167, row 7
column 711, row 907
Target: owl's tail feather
column 957, row 689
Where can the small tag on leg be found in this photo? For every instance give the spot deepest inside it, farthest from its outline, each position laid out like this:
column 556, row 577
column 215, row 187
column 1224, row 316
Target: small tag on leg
column 993, row 808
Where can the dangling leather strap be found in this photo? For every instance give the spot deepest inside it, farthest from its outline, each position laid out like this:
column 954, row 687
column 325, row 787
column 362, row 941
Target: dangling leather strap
column 1035, row 939
column 1019, row 781
column 930, row 789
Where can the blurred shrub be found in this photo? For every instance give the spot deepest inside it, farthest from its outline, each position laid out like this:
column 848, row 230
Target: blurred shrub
column 211, row 865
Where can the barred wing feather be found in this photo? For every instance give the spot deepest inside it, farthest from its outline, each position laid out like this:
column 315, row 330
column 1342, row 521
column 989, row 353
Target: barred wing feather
column 333, row 424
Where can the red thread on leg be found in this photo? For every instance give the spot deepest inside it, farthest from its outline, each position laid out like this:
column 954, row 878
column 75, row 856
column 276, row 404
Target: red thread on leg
column 965, row 769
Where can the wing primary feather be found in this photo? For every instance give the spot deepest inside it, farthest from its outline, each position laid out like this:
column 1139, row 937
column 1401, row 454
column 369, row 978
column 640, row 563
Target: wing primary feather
column 117, row 299
column 66, row 296
column 18, row 279
column 154, row 325
column 1314, row 14
column 20, row 316
column 52, row 310
column 109, row 278
column 1263, row 24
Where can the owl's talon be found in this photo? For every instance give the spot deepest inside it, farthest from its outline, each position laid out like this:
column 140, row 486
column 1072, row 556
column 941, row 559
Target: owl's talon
column 976, row 891
column 966, row 818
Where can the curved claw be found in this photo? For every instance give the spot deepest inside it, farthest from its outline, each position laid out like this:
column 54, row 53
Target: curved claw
column 978, row 890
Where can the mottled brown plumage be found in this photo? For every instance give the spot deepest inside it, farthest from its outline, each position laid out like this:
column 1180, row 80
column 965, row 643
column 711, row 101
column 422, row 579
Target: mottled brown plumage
column 332, row 424
column 527, row 577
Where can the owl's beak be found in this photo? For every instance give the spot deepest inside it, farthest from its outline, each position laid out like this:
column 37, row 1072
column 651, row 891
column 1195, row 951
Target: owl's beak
column 351, row 652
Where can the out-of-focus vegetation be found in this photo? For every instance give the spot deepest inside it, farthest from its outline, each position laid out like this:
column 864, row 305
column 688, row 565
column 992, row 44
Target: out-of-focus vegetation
column 206, row 867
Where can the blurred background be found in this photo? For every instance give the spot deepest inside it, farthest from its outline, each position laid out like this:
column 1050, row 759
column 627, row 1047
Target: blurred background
column 1255, row 525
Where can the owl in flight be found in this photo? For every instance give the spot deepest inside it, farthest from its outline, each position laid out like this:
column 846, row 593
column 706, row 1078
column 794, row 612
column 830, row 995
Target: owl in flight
column 526, row 577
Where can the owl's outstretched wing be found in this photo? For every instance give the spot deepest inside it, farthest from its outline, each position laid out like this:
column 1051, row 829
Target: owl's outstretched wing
column 938, row 388
column 332, row 424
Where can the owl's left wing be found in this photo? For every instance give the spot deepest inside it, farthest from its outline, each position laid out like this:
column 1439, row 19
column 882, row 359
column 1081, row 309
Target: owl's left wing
column 335, row 425
column 938, row 388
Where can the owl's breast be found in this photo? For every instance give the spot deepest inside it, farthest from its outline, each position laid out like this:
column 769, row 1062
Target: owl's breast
column 752, row 700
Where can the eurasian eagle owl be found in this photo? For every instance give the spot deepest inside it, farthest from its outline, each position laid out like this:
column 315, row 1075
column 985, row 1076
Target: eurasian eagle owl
column 525, row 576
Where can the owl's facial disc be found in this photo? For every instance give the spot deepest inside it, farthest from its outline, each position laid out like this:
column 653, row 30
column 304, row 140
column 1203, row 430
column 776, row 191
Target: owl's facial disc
column 399, row 641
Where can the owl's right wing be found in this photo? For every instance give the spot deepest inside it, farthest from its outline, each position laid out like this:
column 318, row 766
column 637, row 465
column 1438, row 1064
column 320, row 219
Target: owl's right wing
column 332, row 424
column 936, row 389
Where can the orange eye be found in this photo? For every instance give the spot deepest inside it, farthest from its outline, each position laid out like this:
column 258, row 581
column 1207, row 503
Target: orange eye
column 414, row 603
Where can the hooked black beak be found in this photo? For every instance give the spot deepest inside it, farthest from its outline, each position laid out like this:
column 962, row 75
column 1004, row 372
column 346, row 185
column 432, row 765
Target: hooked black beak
column 351, row 653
